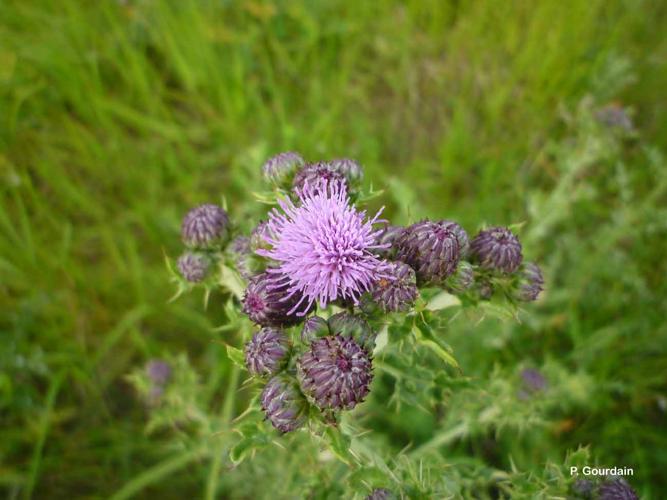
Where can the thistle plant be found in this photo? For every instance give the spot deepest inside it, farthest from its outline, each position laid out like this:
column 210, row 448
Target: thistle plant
column 326, row 295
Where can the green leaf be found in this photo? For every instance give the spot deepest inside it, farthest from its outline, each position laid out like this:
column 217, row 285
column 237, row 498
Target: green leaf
column 424, row 336
column 339, row 444
column 236, row 355
column 246, row 447
column 443, row 301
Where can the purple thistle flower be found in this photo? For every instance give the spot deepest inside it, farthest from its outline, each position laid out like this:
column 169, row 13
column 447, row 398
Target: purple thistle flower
column 533, row 380
column 205, row 226
column 284, row 405
column 616, row 489
column 267, row 352
column 158, row 371
column 269, row 302
column 432, row 249
column 194, row 266
column 533, row 383
column 398, row 291
column 497, row 248
column 381, row 494
column 335, row 373
column 315, row 177
column 323, row 247
column 615, row 115
column 462, row 279
column 529, row 284
column 313, row 328
column 279, row 168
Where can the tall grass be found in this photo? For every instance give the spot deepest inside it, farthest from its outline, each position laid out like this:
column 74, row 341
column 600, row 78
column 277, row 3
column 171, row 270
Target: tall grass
column 117, row 116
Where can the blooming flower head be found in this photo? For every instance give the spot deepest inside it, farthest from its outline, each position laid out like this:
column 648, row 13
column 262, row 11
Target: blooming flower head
column 335, row 373
column 205, row 226
column 323, row 247
column 267, row 352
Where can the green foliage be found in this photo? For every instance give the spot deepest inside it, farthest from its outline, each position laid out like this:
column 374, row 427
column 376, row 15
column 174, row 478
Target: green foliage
column 118, row 116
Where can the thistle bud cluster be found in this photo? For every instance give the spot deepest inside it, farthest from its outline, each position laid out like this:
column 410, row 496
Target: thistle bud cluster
column 315, row 252
column 330, row 370
column 205, row 232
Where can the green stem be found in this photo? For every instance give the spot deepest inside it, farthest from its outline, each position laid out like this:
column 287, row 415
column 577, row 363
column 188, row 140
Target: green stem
column 159, row 471
column 219, row 447
column 43, row 432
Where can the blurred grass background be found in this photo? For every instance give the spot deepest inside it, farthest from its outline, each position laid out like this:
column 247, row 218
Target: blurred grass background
column 115, row 117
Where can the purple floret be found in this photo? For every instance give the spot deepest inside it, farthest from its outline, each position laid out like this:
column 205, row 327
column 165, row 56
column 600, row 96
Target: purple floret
column 323, row 247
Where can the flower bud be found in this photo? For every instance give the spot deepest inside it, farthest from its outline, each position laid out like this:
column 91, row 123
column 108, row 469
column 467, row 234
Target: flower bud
column 258, row 237
column 381, row 494
column 583, row 488
column 279, row 169
column 616, row 489
column 529, row 282
column 314, row 327
column 267, row 352
column 194, row 266
column 239, row 251
column 354, row 326
column 397, row 291
column 268, row 302
column 350, row 169
column 497, row 248
column 158, row 371
column 462, row 279
column 432, row 249
column 335, row 373
column 388, row 236
column 205, row 226
column 283, row 404
column 315, row 175
column 615, row 116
